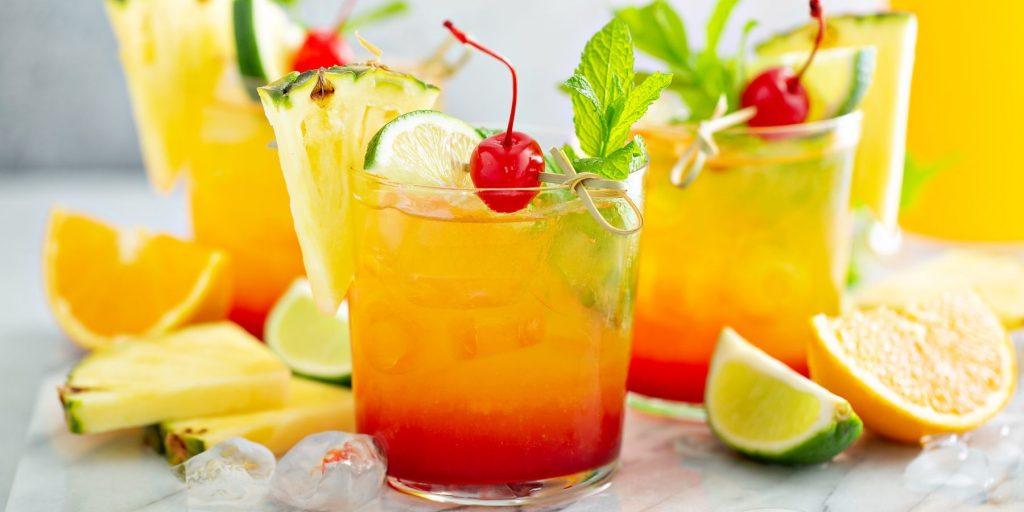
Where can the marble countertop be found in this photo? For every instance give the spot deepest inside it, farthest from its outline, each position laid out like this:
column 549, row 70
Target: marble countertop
column 666, row 465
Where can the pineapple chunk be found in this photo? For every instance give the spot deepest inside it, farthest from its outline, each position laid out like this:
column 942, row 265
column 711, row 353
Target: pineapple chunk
column 209, row 369
column 174, row 53
column 323, row 121
column 311, row 407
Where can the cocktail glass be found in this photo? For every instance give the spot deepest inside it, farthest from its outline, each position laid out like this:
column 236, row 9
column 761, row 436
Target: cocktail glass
column 196, row 119
column 490, row 350
column 758, row 242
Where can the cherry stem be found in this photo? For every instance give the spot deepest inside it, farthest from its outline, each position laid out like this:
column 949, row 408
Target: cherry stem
column 464, row 39
column 346, row 12
column 818, row 14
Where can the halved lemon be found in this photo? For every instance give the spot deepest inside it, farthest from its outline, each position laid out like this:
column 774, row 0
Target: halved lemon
column 765, row 410
column 103, row 283
column 943, row 364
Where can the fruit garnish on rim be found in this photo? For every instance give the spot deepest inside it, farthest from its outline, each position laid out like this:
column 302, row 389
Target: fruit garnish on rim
column 717, row 93
column 778, row 94
column 606, row 103
column 509, row 159
column 326, row 47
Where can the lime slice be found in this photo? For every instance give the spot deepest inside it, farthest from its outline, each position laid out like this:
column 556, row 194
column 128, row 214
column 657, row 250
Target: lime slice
column 311, row 343
column 266, row 39
column 766, row 411
column 424, row 147
column 837, row 80
column 323, row 121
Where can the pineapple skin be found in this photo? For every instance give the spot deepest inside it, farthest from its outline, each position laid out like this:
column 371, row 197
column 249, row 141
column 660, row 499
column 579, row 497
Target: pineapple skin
column 204, row 370
column 311, row 407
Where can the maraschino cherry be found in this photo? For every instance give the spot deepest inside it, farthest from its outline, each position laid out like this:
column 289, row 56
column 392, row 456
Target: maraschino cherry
column 777, row 93
column 509, row 159
column 325, row 47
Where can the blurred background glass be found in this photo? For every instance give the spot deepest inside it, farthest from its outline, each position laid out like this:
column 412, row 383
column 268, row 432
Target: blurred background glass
column 64, row 107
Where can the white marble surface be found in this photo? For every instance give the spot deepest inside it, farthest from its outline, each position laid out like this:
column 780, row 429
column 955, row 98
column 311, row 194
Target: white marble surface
column 666, row 465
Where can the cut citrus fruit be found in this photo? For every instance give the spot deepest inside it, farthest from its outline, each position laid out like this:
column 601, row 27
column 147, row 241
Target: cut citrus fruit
column 311, row 342
column 266, row 40
column 204, row 370
column 836, row 83
column 323, row 121
column 878, row 175
column 998, row 279
column 943, row 364
column 103, row 283
column 765, row 410
column 424, row 147
column 311, row 407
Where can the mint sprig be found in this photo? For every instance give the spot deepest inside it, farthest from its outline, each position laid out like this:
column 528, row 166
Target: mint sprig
column 700, row 77
column 374, row 15
column 607, row 102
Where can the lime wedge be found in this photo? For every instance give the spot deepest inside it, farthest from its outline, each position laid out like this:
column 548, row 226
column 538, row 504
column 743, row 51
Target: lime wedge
column 311, row 343
column 766, row 411
column 266, row 39
column 424, row 147
column 837, row 80
column 323, row 121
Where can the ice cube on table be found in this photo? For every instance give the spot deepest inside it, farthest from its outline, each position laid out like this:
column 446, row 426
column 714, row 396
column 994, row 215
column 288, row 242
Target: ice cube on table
column 233, row 475
column 330, row 472
column 947, row 462
column 1002, row 439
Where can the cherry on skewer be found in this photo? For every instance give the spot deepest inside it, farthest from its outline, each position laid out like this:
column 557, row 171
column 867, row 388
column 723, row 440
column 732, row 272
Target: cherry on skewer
column 325, row 47
column 777, row 93
column 506, row 160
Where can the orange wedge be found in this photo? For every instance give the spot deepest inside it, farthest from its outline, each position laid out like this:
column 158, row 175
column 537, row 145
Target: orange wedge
column 943, row 364
column 103, row 283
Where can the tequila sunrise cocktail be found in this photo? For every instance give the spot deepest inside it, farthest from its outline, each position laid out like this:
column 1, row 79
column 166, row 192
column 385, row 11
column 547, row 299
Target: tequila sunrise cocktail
column 488, row 348
column 758, row 242
column 746, row 203
column 192, row 68
column 490, row 283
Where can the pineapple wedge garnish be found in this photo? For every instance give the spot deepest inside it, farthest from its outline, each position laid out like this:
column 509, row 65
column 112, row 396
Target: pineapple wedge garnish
column 205, row 370
column 323, row 121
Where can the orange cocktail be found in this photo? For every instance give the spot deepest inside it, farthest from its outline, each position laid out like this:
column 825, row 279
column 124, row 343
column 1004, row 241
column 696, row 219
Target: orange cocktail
column 489, row 349
column 759, row 242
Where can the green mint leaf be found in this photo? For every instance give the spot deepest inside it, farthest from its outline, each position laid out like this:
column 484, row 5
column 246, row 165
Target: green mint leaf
column 588, row 114
column 486, row 131
column 607, row 61
column 635, row 106
column 658, row 31
column 916, row 175
column 716, row 24
column 375, row 15
column 741, row 57
column 700, row 78
column 619, row 164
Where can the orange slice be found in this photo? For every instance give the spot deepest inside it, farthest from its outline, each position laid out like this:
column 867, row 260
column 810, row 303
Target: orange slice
column 103, row 283
column 943, row 364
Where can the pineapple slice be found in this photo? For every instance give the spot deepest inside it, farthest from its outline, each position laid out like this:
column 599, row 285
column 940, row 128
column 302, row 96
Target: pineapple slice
column 209, row 369
column 323, row 121
column 311, row 407
column 174, row 53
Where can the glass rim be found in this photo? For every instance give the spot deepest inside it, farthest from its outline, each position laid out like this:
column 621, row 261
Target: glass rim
column 543, row 188
column 820, row 126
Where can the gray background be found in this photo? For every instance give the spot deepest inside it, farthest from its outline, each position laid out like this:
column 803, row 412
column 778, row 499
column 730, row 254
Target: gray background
column 63, row 104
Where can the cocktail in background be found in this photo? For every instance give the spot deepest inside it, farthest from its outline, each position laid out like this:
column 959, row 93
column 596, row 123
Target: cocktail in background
column 967, row 181
column 191, row 74
column 759, row 241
